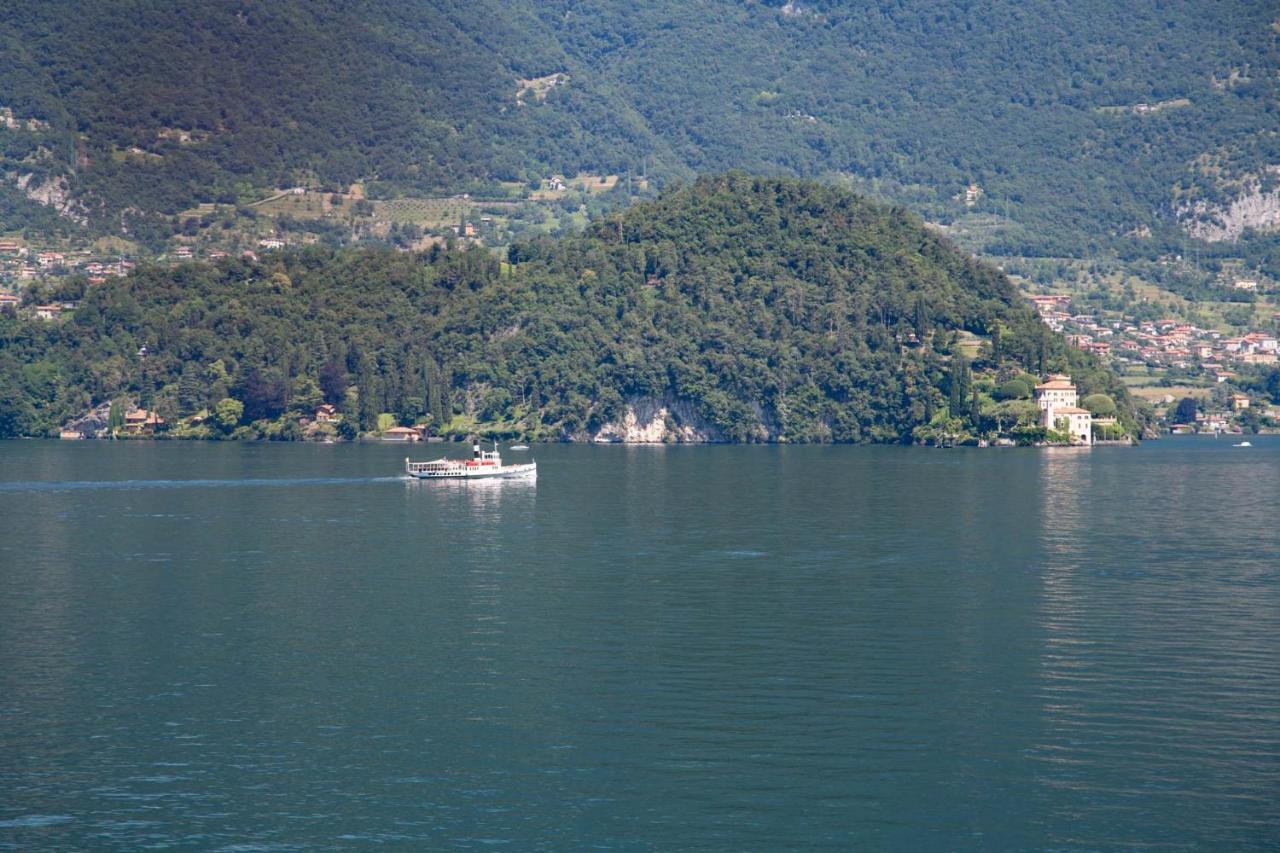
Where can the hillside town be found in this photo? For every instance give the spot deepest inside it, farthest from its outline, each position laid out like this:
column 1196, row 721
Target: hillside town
column 1177, row 351
column 21, row 264
column 1167, row 343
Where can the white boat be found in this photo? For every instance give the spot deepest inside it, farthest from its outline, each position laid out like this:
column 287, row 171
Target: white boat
column 483, row 465
column 1242, row 444
column 518, row 447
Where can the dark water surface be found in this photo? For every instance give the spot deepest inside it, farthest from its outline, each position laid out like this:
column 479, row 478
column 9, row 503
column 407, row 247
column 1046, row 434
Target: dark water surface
column 258, row 647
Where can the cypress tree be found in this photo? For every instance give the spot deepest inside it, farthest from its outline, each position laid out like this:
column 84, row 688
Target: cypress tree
column 921, row 317
column 959, row 386
column 115, row 417
column 435, row 394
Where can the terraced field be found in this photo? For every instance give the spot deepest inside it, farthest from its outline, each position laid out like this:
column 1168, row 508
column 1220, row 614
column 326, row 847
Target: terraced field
column 308, row 205
column 426, row 212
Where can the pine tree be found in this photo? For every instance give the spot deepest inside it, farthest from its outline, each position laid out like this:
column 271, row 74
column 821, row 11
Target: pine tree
column 193, row 394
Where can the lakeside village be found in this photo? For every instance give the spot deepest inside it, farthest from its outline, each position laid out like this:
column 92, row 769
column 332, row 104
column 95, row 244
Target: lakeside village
column 1195, row 363
column 1168, row 343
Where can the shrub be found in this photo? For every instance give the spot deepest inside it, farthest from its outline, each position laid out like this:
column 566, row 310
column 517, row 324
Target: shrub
column 1099, row 405
column 227, row 412
column 1013, row 389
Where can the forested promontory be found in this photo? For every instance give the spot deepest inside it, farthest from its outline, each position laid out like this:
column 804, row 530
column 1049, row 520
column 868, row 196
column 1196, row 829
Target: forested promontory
column 741, row 308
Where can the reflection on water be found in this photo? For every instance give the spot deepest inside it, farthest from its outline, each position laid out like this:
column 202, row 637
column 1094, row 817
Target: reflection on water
column 1158, row 665
column 475, row 504
column 482, row 530
column 715, row 647
column 36, row 486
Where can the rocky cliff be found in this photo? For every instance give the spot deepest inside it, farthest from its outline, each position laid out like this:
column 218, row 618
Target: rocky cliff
column 658, row 420
column 1255, row 208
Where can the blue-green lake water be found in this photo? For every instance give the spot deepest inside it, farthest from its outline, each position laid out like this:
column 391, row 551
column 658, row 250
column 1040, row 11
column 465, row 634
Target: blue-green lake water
column 261, row 647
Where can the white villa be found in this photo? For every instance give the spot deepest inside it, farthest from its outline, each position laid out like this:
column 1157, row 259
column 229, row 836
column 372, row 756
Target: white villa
column 1058, row 410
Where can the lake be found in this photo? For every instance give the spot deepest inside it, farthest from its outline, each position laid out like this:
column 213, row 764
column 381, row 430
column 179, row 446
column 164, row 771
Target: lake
column 262, row 647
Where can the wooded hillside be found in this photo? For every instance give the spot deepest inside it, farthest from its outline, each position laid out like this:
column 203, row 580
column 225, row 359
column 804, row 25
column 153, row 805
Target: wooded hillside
column 1080, row 126
column 768, row 309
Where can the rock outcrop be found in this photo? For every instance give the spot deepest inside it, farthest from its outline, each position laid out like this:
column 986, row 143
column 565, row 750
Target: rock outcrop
column 658, row 420
column 93, row 423
column 52, row 192
column 1255, row 208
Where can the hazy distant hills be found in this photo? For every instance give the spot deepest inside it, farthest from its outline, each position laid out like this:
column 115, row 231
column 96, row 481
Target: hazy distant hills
column 1076, row 124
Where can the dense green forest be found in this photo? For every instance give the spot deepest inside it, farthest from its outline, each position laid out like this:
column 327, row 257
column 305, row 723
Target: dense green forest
column 151, row 106
column 1036, row 103
column 763, row 309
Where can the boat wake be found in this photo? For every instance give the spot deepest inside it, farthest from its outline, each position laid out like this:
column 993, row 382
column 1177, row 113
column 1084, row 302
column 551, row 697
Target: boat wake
column 104, row 485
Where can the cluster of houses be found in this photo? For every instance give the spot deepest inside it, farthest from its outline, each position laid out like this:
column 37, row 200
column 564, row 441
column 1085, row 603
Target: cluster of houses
column 185, row 252
column 1224, row 419
column 1159, row 343
column 19, row 263
column 12, row 303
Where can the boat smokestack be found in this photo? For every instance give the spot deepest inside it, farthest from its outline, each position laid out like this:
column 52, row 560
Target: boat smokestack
column 475, row 449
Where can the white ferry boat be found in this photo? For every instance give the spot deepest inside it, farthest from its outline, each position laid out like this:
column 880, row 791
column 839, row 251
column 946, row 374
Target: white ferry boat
column 483, row 465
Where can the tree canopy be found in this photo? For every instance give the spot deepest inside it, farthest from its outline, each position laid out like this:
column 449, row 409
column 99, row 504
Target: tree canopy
column 764, row 308
column 1100, row 405
column 1078, row 125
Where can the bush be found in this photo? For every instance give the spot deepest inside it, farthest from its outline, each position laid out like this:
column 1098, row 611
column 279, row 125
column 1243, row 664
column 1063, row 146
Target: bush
column 1100, row 405
column 1108, row 432
column 227, row 412
column 1184, row 412
column 1025, row 434
column 1014, row 389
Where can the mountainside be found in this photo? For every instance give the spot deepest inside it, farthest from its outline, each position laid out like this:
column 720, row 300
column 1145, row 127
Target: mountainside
column 1077, row 125
column 737, row 308
column 146, row 107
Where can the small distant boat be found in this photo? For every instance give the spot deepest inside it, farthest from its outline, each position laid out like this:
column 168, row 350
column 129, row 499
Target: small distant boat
column 1242, row 444
column 518, row 447
column 483, row 465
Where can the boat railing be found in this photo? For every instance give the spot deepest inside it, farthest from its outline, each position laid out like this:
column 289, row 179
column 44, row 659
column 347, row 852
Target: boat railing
column 434, row 465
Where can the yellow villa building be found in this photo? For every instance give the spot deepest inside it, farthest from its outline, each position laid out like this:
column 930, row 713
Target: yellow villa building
column 1059, row 410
